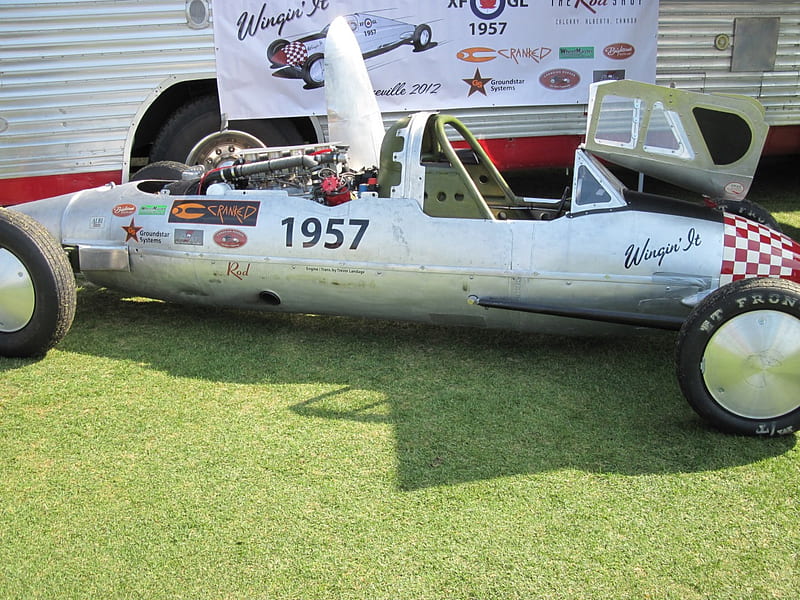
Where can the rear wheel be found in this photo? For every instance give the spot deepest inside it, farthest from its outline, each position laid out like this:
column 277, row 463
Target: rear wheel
column 422, row 38
column 37, row 287
column 738, row 357
column 273, row 49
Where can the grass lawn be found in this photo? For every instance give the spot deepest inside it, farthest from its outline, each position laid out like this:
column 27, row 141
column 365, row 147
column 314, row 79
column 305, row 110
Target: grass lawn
column 170, row 452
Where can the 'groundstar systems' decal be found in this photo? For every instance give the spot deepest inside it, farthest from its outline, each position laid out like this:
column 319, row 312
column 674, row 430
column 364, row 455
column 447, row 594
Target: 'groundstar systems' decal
column 215, row 212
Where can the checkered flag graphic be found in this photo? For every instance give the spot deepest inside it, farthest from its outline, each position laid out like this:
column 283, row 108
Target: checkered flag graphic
column 754, row 250
column 296, row 53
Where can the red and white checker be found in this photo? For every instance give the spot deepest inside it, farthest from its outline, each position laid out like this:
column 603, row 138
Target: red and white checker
column 754, row 250
column 296, row 53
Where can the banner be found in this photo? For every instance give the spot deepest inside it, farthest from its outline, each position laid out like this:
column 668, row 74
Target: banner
column 436, row 54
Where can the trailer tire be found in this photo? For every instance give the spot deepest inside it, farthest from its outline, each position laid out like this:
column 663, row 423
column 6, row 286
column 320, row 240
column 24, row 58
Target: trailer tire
column 738, row 354
column 199, row 118
column 37, row 287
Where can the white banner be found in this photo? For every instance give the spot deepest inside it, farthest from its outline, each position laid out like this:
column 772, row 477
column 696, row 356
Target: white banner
column 436, row 54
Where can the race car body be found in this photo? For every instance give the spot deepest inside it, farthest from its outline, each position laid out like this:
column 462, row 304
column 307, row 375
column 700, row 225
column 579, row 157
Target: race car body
column 303, row 58
column 435, row 234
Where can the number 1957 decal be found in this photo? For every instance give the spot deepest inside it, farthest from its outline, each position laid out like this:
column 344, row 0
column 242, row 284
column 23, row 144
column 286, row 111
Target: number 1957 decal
column 335, row 230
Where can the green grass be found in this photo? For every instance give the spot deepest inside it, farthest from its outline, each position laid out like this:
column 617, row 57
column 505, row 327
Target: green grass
column 170, row 452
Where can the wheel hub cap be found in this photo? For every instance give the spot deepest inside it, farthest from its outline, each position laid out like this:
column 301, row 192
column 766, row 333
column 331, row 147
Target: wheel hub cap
column 17, row 297
column 217, row 149
column 751, row 365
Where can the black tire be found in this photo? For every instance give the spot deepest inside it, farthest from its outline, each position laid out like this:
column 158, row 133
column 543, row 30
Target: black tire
column 195, row 120
column 750, row 210
column 37, row 287
column 164, row 170
column 738, row 357
column 273, row 49
column 422, row 38
column 314, row 71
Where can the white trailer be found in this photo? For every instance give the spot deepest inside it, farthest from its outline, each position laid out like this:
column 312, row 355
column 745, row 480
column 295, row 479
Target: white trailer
column 91, row 90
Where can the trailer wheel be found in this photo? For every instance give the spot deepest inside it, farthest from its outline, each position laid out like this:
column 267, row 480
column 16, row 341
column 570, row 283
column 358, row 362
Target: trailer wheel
column 37, row 287
column 738, row 357
column 196, row 120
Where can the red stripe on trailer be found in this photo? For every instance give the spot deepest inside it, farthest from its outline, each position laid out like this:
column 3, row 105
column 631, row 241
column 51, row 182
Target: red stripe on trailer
column 25, row 189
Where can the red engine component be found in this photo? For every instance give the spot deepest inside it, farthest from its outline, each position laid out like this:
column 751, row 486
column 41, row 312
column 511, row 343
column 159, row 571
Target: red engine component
column 335, row 190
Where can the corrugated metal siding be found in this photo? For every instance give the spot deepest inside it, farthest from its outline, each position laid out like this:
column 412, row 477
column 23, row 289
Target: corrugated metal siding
column 687, row 56
column 86, row 67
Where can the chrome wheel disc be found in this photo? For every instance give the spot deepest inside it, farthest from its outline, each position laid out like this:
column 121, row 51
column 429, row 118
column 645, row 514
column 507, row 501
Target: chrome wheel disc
column 751, row 366
column 217, row 148
column 17, row 296
column 316, row 71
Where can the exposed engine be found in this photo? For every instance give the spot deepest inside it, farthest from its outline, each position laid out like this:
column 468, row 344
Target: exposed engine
column 319, row 172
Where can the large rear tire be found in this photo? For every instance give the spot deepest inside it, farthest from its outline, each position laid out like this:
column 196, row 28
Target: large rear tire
column 738, row 357
column 37, row 287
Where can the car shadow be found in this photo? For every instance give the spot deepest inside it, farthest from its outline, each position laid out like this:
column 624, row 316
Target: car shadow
column 464, row 404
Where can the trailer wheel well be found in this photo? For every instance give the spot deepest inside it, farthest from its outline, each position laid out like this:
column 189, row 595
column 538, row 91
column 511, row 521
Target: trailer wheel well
column 179, row 95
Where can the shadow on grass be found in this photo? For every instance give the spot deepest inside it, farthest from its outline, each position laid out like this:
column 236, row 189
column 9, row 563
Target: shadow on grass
column 465, row 404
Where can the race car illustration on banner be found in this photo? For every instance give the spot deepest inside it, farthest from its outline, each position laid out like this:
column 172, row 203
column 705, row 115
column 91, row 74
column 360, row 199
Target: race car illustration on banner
column 303, row 58
column 433, row 233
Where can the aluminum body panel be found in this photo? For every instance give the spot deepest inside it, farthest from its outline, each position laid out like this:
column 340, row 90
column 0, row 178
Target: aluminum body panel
column 406, row 265
column 708, row 144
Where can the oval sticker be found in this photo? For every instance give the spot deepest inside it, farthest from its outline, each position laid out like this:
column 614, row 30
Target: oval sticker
column 735, row 188
column 230, row 238
column 123, row 210
column 619, row 51
column 559, row 79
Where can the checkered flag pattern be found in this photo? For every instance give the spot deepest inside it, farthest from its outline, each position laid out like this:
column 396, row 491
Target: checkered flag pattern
column 296, row 53
column 753, row 250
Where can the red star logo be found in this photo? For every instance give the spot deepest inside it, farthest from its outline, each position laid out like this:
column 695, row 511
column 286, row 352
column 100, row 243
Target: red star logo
column 131, row 231
column 477, row 83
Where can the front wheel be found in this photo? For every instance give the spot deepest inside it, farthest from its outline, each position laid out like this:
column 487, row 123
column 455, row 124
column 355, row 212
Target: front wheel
column 314, row 71
column 738, row 357
column 37, row 287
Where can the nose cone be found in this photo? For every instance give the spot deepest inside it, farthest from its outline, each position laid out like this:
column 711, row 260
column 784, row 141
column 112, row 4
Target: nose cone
column 754, row 250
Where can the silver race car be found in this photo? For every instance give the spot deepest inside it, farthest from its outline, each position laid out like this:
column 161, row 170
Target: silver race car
column 434, row 233
column 303, row 58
